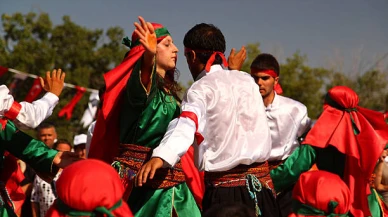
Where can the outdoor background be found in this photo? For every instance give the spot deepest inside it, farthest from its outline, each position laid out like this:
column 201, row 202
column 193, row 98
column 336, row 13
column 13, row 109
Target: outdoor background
column 320, row 44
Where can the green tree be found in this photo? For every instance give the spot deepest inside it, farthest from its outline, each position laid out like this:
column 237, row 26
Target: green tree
column 31, row 43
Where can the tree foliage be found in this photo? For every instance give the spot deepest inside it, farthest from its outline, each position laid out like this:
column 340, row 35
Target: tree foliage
column 31, row 43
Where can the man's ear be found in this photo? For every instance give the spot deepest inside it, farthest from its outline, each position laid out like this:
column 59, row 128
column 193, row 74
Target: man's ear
column 277, row 80
column 192, row 56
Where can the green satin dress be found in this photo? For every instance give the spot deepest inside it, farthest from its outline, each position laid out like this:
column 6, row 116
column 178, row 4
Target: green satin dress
column 35, row 153
column 144, row 119
column 303, row 158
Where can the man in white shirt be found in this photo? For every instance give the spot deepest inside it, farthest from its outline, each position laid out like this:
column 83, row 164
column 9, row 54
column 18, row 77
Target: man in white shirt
column 30, row 115
column 223, row 115
column 287, row 118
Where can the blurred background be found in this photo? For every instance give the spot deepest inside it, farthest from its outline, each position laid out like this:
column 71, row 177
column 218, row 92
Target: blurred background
column 319, row 44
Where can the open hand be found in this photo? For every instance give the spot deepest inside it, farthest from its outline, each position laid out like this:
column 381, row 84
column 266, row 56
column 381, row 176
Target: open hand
column 53, row 82
column 148, row 170
column 147, row 36
column 235, row 61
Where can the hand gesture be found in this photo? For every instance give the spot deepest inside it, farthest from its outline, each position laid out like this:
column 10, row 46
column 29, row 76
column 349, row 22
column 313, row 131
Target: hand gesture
column 53, row 83
column 148, row 170
column 235, row 61
column 147, row 36
column 64, row 159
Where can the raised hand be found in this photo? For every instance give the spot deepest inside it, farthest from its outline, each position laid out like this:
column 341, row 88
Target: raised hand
column 235, row 61
column 147, row 36
column 53, row 82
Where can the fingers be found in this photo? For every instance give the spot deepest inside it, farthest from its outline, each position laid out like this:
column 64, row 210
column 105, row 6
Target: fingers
column 140, row 31
column 150, row 28
column 54, row 74
column 41, row 81
column 143, row 23
column 48, row 76
column 232, row 52
column 59, row 71
column 63, row 75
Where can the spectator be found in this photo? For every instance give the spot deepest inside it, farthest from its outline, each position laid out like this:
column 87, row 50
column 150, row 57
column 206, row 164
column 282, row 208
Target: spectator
column 80, row 145
column 43, row 193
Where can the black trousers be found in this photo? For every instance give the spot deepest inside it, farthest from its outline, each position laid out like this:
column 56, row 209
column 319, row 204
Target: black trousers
column 219, row 195
column 284, row 200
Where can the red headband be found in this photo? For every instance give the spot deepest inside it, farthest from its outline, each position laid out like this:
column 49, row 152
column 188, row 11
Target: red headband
column 211, row 59
column 278, row 89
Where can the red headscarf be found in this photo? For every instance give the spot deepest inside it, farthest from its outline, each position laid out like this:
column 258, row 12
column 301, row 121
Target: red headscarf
column 320, row 193
column 361, row 134
column 89, row 186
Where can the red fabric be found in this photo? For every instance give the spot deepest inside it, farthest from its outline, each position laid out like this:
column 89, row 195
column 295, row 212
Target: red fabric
column 278, row 88
column 318, row 188
column 105, row 140
column 194, row 118
column 34, row 91
column 195, row 179
column 11, row 114
column 13, row 176
column 68, row 109
column 88, row 184
column 211, row 58
column 3, row 70
column 334, row 127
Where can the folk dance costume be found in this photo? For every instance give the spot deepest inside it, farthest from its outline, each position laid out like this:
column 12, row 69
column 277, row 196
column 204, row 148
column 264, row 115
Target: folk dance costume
column 80, row 193
column 34, row 153
column 320, row 193
column 132, row 123
column 25, row 115
column 223, row 113
column 288, row 121
column 346, row 140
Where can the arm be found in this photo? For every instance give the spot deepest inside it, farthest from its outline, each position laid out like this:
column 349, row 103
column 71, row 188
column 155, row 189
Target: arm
column 35, row 153
column 298, row 162
column 32, row 114
column 147, row 36
column 178, row 138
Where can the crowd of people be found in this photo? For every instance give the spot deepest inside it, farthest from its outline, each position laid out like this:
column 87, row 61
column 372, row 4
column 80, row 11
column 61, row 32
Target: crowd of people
column 232, row 146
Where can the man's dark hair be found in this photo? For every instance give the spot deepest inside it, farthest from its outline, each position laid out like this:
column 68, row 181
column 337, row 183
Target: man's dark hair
column 266, row 61
column 230, row 210
column 61, row 141
column 45, row 125
column 205, row 37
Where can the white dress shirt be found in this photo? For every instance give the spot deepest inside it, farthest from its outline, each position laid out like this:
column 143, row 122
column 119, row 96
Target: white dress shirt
column 287, row 120
column 31, row 114
column 223, row 114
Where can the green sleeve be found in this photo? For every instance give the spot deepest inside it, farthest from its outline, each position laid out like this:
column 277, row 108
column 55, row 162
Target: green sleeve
column 301, row 160
column 35, row 153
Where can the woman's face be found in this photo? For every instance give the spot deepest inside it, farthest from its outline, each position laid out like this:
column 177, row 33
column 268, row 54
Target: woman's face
column 166, row 55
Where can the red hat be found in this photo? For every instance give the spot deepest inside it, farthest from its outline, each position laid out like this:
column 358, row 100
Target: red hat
column 320, row 193
column 89, row 186
column 359, row 133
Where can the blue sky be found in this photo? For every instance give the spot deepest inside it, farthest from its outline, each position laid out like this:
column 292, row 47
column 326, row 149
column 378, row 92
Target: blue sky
column 348, row 34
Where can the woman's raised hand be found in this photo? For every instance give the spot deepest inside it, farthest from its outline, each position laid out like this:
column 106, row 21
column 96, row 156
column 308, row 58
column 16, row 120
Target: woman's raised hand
column 147, row 36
